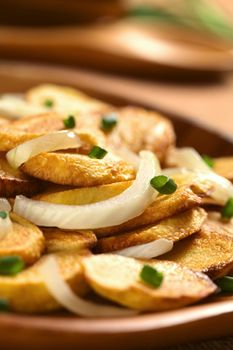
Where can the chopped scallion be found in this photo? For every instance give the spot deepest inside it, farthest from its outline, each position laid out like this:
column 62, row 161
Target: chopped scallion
column 225, row 283
column 48, row 103
column 3, row 214
column 151, row 276
column 69, row 122
column 97, row 152
column 108, row 122
column 227, row 210
column 163, row 184
column 208, row 160
column 11, row 265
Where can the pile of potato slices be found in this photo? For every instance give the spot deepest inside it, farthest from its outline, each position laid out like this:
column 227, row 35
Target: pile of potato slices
column 101, row 214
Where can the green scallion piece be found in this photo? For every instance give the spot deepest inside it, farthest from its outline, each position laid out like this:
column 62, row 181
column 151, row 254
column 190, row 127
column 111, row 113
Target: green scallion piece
column 4, row 305
column 48, row 103
column 69, row 122
column 108, row 122
column 225, row 284
column 11, row 265
column 3, row 214
column 97, row 152
column 227, row 210
column 151, row 276
column 208, row 160
column 163, row 184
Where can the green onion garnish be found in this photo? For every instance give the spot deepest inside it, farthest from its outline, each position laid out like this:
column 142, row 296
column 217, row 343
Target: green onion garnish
column 208, row 160
column 97, row 152
column 4, row 305
column 151, row 276
column 48, row 103
column 225, row 283
column 163, row 184
column 227, row 210
column 109, row 121
column 69, row 122
column 11, row 265
column 3, row 214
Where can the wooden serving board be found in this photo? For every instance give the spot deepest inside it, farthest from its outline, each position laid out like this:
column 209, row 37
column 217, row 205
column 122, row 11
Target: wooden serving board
column 211, row 319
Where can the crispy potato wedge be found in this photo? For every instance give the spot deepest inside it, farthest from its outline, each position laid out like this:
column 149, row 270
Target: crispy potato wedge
column 206, row 251
column 46, row 122
column 66, row 100
column 77, row 170
column 163, row 207
column 174, row 228
column 224, row 167
column 62, row 240
column 117, row 278
column 85, row 195
column 10, row 138
column 14, row 182
column 26, row 240
column 27, row 292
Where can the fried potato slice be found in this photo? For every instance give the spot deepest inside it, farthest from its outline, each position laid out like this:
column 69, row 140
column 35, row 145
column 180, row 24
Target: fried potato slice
column 163, row 207
column 62, row 240
column 85, row 195
column 10, row 138
column 40, row 123
column 174, row 228
column 206, row 251
column 14, row 182
column 117, row 278
column 26, row 240
column 65, row 100
column 27, row 292
column 77, row 170
column 215, row 223
column 224, row 167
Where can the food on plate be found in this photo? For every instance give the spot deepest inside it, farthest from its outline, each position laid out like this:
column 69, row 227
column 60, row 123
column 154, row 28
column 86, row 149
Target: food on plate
column 117, row 278
column 174, row 229
column 101, row 214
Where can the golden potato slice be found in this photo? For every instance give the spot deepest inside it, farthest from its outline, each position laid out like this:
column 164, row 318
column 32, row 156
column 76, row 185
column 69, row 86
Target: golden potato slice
column 215, row 223
column 14, row 182
column 62, row 240
column 175, row 228
column 224, row 167
column 10, row 138
column 206, row 251
column 65, row 100
column 117, row 278
column 85, row 195
column 77, row 170
column 163, row 207
column 26, row 240
column 46, row 122
column 27, row 292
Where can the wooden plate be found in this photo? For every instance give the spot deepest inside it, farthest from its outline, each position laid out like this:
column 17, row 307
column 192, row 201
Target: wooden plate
column 62, row 331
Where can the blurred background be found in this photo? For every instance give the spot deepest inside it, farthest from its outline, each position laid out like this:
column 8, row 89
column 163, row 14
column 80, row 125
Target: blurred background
column 175, row 55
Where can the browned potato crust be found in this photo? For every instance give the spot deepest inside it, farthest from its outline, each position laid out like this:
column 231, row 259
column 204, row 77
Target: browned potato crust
column 26, row 240
column 14, row 182
column 174, row 228
column 117, row 278
column 77, row 170
column 224, row 167
column 208, row 252
column 27, row 292
column 62, row 240
column 163, row 207
column 215, row 223
column 10, row 138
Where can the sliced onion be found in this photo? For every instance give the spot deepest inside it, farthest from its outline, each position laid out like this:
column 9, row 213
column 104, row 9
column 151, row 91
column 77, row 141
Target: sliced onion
column 190, row 159
column 148, row 250
column 114, row 211
column 62, row 292
column 47, row 143
column 4, row 205
column 14, row 106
